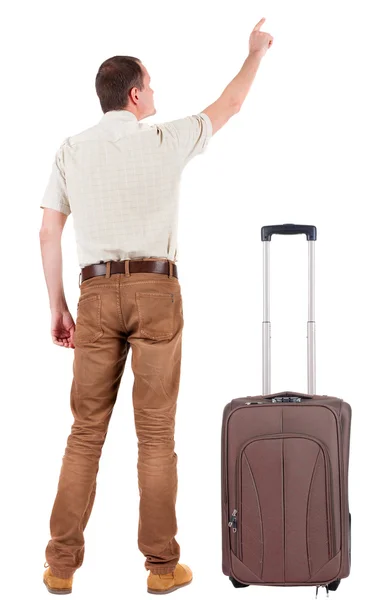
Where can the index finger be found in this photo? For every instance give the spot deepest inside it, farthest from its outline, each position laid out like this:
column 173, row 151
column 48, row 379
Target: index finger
column 258, row 25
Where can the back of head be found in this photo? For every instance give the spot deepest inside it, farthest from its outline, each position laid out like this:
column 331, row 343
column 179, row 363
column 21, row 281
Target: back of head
column 115, row 79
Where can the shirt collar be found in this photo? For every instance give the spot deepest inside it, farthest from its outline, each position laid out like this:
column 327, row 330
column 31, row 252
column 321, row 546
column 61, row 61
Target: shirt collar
column 123, row 115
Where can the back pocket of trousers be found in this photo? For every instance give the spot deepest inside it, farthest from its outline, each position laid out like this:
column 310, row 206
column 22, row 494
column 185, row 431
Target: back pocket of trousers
column 88, row 327
column 157, row 312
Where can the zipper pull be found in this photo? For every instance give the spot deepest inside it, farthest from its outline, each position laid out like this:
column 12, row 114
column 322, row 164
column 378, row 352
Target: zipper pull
column 233, row 521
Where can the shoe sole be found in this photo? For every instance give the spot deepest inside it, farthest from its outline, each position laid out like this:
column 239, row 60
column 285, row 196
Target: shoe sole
column 55, row 591
column 172, row 589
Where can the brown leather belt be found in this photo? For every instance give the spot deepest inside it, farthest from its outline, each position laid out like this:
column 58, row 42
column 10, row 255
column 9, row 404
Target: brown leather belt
column 166, row 267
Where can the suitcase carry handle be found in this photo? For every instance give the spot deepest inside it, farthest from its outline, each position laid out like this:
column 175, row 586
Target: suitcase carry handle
column 311, row 234
column 288, row 395
column 288, row 229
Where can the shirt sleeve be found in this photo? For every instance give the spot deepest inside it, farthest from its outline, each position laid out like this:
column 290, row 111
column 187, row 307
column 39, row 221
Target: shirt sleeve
column 55, row 195
column 190, row 135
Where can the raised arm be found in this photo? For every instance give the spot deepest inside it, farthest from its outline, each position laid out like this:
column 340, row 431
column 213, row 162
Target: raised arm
column 235, row 93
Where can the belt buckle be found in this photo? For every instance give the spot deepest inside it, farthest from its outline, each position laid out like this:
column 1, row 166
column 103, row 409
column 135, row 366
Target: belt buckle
column 171, row 268
column 80, row 277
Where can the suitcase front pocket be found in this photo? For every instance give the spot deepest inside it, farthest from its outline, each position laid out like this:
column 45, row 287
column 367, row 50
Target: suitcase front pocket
column 284, row 517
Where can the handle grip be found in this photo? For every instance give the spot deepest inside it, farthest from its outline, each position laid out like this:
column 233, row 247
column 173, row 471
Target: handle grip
column 288, row 229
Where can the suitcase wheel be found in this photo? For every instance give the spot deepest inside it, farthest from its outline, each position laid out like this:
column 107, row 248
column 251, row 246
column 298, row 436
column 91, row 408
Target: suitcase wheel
column 333, row 586
column 237, row 583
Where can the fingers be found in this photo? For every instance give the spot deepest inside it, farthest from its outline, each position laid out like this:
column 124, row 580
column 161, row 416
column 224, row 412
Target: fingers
column 259, row 24
column 62, row 341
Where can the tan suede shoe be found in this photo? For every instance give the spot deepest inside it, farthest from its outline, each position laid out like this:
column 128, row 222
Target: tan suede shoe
column 56, row 585
column 168, row 582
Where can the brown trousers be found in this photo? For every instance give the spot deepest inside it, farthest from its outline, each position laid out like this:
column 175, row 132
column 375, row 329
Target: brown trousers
column 144, row 311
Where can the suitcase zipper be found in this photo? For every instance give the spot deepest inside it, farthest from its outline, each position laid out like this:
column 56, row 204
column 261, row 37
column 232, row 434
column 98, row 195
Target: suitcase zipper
column 232, row 524
column 330, row 512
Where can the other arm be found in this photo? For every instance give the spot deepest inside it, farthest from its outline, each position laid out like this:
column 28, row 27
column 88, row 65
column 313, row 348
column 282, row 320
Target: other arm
column 52, row 226
column 56, row 210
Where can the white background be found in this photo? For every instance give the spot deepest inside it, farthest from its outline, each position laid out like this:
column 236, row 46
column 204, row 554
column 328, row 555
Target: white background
column 304, row 148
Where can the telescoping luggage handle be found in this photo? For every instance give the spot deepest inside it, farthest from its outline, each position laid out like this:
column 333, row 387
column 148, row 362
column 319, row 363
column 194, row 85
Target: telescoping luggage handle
column 311, row 235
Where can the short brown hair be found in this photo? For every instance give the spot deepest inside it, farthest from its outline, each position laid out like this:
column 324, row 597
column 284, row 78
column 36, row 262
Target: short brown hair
column 115, row 78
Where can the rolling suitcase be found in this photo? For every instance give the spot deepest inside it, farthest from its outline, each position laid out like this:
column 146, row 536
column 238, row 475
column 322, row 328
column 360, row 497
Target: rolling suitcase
column 284, row 471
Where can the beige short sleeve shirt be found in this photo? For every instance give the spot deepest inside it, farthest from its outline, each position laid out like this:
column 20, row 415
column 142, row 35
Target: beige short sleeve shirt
column 120, row 179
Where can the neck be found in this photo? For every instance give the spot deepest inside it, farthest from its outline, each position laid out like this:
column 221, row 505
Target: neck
column 135, row 111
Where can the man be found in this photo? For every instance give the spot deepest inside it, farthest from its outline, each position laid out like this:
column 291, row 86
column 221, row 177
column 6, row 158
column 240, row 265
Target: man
column 120, row 179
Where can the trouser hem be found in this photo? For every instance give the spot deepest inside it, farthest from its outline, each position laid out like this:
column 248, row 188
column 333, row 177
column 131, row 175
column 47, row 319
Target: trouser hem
column 161, row 570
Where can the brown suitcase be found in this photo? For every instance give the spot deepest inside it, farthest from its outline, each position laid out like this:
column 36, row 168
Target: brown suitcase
column 285, row 456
